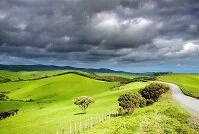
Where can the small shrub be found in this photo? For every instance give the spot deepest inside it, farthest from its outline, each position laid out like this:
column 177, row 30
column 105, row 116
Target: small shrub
column 4, row 115
column 30, row 100
column 129, row 101
column 152, row 92
column 4, row 80
column 3, row 97
column 83, row 102
column 121, row 111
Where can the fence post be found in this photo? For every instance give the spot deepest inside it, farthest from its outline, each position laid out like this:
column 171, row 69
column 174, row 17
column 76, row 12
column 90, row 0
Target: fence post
column 99, row 118
column 80, row 126
column 75, row 127
column 91, row 122
column 70, row 129
column 88, row 123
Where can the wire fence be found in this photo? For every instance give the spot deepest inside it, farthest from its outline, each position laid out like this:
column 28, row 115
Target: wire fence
column 78, row 127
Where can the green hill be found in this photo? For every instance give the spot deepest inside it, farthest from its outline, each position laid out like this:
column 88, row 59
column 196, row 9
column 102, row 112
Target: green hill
column 25, row 75
column 52, row 107
column 46, row 105
column 189, row 83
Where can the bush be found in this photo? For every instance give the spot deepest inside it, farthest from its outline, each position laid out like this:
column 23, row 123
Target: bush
column 4, row 115
column 30, row 100
column 4, row 80
column 3, row 97
column 129, row 101
column 152, row 92
column 143, row 102
column 83, row 102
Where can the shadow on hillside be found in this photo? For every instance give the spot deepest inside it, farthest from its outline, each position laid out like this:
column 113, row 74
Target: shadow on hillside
column 79, row 113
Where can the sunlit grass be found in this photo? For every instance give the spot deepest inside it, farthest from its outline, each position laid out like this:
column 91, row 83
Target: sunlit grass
column 53, row 108
column 164, row 116
column 189, row 83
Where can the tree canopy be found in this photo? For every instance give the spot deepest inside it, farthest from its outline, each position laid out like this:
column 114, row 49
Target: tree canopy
column 83, row 102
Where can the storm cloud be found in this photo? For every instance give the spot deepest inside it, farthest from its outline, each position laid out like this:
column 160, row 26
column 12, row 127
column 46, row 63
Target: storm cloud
column 93, row 31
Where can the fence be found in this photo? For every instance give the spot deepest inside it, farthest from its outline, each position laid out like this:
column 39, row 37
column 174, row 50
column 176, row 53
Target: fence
column 81, row 126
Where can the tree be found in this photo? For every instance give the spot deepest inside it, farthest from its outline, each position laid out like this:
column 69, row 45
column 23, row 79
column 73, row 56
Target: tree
column 83, row 102
column 152, row 92
column 129, row 101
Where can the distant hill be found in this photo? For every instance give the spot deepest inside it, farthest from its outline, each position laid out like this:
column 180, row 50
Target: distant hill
column 40, row 67
column 52, row 67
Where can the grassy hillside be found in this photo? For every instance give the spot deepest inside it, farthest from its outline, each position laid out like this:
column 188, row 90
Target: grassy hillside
column 163, row 117
column 189, row 83
column 53, row 108
column 25, row 75
column 125, row 75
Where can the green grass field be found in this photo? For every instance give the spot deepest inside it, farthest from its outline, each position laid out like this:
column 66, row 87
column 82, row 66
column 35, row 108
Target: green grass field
column 53, row 108
column 163, row 117
column 25, row 75
column 189, row 83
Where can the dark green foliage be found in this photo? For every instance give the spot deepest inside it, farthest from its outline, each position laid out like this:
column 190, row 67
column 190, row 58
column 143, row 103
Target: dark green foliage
column 129, row 101
column 143, row 102
column 3, row 80
column 3, row 97
column 83, row 102
column 4, row 115
column 30, row 100
column 138, row 79
column 152, row 92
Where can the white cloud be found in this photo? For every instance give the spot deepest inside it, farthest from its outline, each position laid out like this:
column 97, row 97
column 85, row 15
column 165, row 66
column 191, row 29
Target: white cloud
column 2, row 15
column 21, row 26
column 179, row 65
column 149, row 5
column 193, row 28
column 188, row 49
column 106, row 22
column 173, row 44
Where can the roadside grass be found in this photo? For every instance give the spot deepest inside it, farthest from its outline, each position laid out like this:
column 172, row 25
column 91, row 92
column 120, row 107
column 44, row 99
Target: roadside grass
column 164, row 116
column 53, row 108
column 189, row 83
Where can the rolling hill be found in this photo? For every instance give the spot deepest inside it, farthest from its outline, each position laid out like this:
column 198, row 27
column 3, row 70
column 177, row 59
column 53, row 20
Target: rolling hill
column 52, row 107
column 189, row 83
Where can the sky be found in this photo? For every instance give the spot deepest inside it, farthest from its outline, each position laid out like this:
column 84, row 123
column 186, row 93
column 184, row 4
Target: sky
column 128, row 35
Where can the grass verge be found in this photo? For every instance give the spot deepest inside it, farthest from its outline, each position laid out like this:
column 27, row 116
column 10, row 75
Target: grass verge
column 164, row 116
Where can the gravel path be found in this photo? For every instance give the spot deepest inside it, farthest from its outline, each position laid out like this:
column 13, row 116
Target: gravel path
column 189, row 103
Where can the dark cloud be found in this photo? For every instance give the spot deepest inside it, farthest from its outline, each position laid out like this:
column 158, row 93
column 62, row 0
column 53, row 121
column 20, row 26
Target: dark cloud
column 92, row 31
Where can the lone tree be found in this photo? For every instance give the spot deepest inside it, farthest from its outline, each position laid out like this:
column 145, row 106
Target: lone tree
column 83, row 102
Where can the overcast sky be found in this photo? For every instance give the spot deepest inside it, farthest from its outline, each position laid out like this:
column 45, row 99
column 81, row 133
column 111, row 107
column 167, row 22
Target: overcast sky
column 130, row 35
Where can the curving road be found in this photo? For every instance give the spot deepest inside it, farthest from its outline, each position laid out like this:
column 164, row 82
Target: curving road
column 189, row 103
